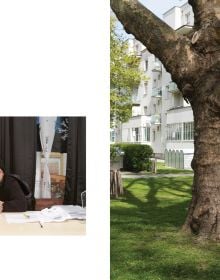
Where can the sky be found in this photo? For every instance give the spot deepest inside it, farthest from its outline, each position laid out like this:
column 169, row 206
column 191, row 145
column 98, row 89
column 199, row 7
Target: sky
column 159, row 7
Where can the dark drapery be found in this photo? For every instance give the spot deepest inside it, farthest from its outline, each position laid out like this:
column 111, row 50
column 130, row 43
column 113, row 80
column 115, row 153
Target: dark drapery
column 18, row 146
column 76, row 161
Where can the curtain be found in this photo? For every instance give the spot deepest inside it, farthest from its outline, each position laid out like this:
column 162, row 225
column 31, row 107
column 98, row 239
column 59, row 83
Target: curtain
column 18, row 137
column 47, row 133
column 76, row 161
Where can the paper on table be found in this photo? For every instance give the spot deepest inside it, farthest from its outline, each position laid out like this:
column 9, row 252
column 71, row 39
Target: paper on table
column 54, row 214
column 76, row 212
column 57, row 213
column 20, row 218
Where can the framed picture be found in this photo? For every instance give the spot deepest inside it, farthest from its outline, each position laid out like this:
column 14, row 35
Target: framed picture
column 57, row 169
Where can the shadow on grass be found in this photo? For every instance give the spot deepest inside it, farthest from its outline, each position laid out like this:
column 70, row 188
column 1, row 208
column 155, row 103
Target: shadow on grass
column 154, row 202
column 145, row 242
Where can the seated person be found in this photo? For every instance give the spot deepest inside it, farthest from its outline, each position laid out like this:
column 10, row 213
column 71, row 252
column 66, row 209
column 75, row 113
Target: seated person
column 12, row 198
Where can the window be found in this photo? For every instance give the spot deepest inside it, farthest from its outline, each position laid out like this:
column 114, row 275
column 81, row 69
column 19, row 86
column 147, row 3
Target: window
column 136, row 134
column 154, row 135
column 145, row 87
column 145, row 110
column 146, row 134
column 187, row 18
column 155, row 108
column 174, row 131
column 188, row 131
column 146, row 65
column 180, row 131
column 136, row 111
column 167, row 93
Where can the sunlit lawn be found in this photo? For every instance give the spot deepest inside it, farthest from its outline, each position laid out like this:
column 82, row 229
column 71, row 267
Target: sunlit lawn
column 162, row 169
column 145, row 238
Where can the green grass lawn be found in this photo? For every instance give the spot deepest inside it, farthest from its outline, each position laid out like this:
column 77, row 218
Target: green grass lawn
column 146, row 243
column 162, row 169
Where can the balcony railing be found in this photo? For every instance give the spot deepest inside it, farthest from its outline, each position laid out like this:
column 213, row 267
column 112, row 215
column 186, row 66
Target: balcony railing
column 157, row 92
column 172, row 87
column 157, row 67
column 156, row 119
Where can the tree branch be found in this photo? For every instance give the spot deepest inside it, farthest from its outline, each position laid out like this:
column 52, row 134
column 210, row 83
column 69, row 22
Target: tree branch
column 206, row 39
column 145, row 26
column 158, row 37
column 205, row 12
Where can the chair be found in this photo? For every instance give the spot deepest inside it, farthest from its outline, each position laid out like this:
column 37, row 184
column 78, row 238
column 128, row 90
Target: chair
column 83, row 199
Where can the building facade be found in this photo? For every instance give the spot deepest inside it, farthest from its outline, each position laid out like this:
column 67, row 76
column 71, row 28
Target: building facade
column 160, row 118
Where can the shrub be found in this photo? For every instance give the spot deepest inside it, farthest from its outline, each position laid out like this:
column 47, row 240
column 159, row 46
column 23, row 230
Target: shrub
column 115, row 152
column 136, row 156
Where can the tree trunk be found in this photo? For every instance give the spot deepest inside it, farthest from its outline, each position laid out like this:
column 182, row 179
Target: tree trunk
column 116, row 186
column 204, row 211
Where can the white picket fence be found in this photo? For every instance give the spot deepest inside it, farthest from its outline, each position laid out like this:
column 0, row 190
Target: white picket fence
column 178, row 159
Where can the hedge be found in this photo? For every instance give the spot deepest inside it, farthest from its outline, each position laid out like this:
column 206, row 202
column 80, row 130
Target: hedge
column 136, row 156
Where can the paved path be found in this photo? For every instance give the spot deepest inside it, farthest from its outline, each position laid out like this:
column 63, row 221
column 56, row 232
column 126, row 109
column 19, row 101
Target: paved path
column 136, row 176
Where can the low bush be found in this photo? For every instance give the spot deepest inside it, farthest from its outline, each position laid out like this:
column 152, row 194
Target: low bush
column 136, row 156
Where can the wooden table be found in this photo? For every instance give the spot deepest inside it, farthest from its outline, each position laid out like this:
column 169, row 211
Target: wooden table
column 70, row 227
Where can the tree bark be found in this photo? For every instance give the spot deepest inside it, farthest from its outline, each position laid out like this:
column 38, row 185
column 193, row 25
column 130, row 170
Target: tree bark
column 194, row 64
column 205, row 11
column 116, row 186
column 204, row 211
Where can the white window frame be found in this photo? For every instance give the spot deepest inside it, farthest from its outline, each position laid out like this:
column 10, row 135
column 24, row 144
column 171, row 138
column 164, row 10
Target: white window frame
column 188, row 131
column 180, row 131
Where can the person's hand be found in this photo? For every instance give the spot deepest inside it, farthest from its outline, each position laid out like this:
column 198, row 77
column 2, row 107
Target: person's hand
column 1, row 206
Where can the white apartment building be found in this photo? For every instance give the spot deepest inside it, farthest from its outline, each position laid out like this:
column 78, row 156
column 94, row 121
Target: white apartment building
column 160, row 116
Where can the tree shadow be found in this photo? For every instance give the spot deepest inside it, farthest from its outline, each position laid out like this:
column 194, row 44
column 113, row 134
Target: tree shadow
column 144, row 234
column 154, row 208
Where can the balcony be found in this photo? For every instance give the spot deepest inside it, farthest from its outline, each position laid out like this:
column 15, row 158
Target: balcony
column 157, row 67
column 184, row 29
column 172, row 87
column 136, row 101
column 155, row 119
column 135, row 98
column 157, row 92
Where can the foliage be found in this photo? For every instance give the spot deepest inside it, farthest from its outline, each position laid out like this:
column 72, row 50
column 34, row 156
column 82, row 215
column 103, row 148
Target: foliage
column 136, row 156
column 115, row 152
column 125, row 76
column 145, row 238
